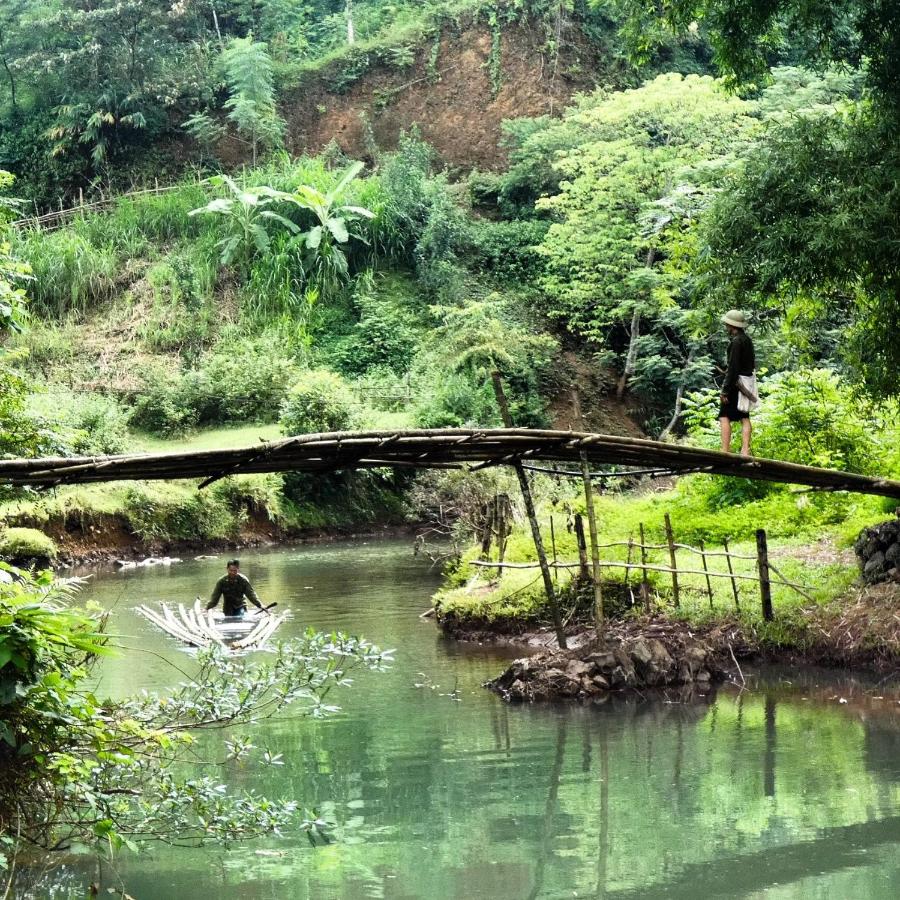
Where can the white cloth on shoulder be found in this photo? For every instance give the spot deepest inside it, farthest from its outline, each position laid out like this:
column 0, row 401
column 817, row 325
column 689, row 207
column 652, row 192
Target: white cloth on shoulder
column 748, row 393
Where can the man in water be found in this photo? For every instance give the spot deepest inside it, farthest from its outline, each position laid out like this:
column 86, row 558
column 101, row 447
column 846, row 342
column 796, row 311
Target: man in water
column 741, row 363
column 233, row 587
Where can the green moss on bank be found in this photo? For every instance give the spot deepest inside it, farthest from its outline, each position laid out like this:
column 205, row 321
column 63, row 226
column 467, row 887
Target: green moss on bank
column 26, row 543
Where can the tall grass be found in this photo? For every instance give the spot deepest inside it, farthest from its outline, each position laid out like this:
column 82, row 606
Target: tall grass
column 70, row 273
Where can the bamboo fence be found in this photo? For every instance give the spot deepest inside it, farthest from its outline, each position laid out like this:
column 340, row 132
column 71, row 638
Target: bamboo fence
column 763, row 577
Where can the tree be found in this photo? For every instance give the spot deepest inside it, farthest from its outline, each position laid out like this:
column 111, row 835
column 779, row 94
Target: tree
column 609, row 254
column 749, row 34
column 808, row 231
column 247, row 67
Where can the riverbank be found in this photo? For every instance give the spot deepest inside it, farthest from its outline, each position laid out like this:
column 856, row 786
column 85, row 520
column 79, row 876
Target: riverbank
column 858, row 631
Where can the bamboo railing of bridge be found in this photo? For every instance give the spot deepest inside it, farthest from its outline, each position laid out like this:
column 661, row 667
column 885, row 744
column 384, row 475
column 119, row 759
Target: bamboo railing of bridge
column 421, row 449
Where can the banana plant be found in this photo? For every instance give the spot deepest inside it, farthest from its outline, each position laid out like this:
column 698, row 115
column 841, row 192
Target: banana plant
column 327, row 263
column 247, row 216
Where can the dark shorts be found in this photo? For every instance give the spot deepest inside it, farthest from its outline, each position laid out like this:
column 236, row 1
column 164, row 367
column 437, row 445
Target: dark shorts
column 729, row 409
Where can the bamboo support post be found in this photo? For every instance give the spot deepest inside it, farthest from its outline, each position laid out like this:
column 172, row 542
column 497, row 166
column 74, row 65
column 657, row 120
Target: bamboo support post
column 553, row 547
column 525, row 487
column 645, row 582
column 582, row 547
column 592, row 525
column 670, row 539
column 487, row 531
column 734, row 585
column 709, row 589
column 765, row 583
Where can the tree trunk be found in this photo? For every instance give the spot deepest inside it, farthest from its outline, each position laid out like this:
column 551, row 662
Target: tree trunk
column 679, row 399
column 351, row 31
column 628, row 370
column 631, row 356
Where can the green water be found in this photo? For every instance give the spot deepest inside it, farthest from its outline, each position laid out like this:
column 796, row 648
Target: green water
column 778, row 792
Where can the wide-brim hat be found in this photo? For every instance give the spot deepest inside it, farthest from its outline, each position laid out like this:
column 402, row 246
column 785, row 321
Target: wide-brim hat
column 736, row 318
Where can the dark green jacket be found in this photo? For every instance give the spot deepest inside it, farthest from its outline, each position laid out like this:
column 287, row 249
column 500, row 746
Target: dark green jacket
column 233, row 591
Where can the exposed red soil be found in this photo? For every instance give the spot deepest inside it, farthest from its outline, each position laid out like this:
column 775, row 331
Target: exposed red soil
column 453, row 106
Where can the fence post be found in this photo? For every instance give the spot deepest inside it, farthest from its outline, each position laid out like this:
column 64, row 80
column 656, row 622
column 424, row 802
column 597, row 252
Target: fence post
column 765, row 585
column 645, row 584
column 628, row 567
column 487, row 534
column 709, row 589
column 670, row 540
column 582, row 547
column 734, row 586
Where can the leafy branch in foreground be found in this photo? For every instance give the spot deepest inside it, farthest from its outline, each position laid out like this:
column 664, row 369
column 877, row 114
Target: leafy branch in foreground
column 108, row 774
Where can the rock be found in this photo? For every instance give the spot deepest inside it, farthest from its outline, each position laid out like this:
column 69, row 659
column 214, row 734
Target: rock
column 604, row 662
column 577, row 668
column 661, row 656
column 694, row 661
column 600, row 682
column 703, row 675
column 875, row 567
column 641, row 654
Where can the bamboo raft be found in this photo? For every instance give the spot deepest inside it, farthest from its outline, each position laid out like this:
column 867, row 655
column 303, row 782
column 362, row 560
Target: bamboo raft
column 200, row 627
column 422, row 449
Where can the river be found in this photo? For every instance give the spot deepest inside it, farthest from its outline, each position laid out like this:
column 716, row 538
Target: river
column 443, row 791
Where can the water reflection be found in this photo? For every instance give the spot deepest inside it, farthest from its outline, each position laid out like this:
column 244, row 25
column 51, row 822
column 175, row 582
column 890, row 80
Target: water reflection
column 780, row 791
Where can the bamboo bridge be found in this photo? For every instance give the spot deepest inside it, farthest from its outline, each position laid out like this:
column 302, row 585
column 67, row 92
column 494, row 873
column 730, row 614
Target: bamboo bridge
column 454, row 448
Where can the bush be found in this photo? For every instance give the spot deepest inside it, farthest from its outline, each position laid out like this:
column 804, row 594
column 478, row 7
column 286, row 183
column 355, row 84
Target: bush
column 165, row 512
column 319, row 401
column 160, row 406
column 386, row 333
column 505, row 250
column 98, row 425
column 242, row 380
column 26, row 543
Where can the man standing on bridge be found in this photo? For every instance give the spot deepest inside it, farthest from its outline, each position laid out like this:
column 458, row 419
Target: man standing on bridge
column 739, row 388
column 233, row 587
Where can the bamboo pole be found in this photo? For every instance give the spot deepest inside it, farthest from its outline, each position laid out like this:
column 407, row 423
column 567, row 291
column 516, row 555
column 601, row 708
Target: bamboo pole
column 426, row 449
column 628, row 568
column 709, row 589
column 734, row 587
column 553, row 546
column 525, row 487
column 765, row 583
column 671, row 542
column 592, row 526
column 582, row 547
column 502, row 526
